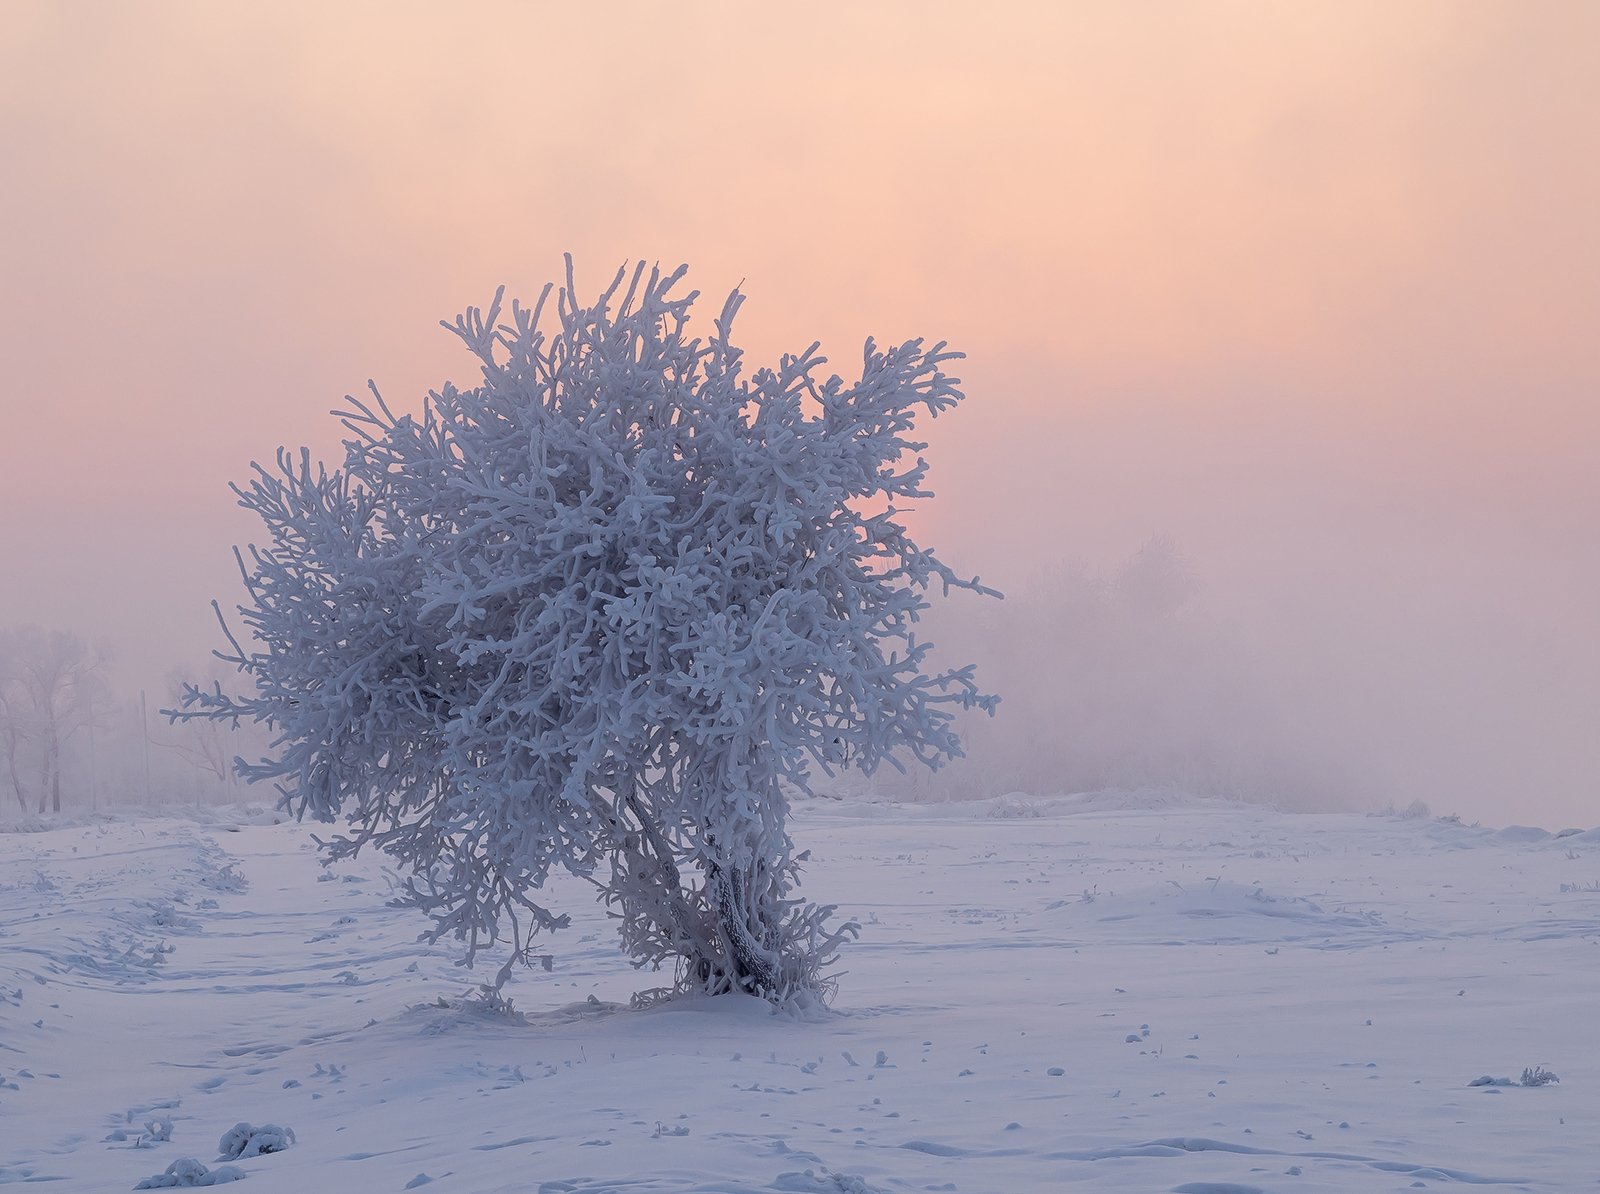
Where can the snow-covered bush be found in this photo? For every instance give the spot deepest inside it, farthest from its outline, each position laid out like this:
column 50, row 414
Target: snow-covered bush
column 596, row 613
column 246, row 1140
column 187, row 1173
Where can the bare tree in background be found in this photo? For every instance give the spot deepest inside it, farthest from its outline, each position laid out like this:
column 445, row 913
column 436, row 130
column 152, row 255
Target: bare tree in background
column 50, row 685
column 209, row 746
column 14, row 725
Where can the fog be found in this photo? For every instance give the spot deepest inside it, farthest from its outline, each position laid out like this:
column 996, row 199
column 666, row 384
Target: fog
column 1284, row 392
column 1363, row 619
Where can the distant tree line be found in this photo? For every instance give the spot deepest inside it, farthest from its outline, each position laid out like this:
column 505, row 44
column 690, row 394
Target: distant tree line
column 1128, row 678
column 71, row 742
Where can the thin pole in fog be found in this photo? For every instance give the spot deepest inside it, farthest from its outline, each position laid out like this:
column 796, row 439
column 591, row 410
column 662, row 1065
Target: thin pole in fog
column 144, row 730
column 94, row 773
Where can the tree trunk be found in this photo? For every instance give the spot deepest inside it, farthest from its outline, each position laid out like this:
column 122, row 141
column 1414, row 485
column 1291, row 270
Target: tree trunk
column 54, row 763
column 755, row 969
column 16, row 781
column 13, row 747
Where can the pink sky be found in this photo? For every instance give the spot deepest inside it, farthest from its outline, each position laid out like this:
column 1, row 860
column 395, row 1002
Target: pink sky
column 1311, row 288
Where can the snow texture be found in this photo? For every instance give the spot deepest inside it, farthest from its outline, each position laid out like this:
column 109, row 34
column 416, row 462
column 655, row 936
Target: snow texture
column 1324, row 1053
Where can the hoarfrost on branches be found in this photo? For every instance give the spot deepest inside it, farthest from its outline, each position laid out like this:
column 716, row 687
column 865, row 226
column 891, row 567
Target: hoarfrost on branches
column 598, row 613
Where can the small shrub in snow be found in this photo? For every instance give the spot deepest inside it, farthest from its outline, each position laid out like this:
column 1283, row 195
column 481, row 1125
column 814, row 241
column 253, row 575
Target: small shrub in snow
column 186, row 1172
column 246, row 1140
column 163, row 915
column 491, row 1001
column 602, row 612
column 226, row 879
column 1533, row 1076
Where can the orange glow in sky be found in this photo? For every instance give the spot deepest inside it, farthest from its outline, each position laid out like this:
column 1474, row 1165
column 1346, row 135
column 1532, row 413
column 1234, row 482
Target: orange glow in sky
column 1312, row 288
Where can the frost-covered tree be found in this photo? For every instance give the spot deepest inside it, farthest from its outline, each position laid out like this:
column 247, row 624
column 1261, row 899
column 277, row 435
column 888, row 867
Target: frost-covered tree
column 600, row 612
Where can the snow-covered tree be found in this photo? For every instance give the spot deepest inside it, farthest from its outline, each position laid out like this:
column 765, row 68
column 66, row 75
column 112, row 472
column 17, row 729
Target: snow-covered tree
column 600, row 612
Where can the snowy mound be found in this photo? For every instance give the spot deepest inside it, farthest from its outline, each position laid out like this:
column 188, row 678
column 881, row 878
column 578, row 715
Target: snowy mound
column 1016, row 806
column 1122, row 800
column 1218, row 913
column 1037, row 1003
column 1516, row 834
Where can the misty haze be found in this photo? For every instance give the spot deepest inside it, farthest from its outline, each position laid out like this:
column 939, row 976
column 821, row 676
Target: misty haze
column 610, row 763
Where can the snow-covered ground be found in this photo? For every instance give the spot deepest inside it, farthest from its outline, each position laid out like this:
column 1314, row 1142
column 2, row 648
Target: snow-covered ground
column 1046, row 996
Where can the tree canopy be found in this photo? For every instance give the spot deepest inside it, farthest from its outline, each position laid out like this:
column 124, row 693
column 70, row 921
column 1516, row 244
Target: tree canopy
column 603, row 611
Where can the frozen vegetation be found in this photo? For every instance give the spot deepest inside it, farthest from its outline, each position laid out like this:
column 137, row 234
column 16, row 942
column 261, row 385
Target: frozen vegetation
column 600, row 615
column 1117, row 992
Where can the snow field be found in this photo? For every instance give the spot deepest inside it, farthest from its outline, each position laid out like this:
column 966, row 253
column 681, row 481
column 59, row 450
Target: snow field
column 1047, row 995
